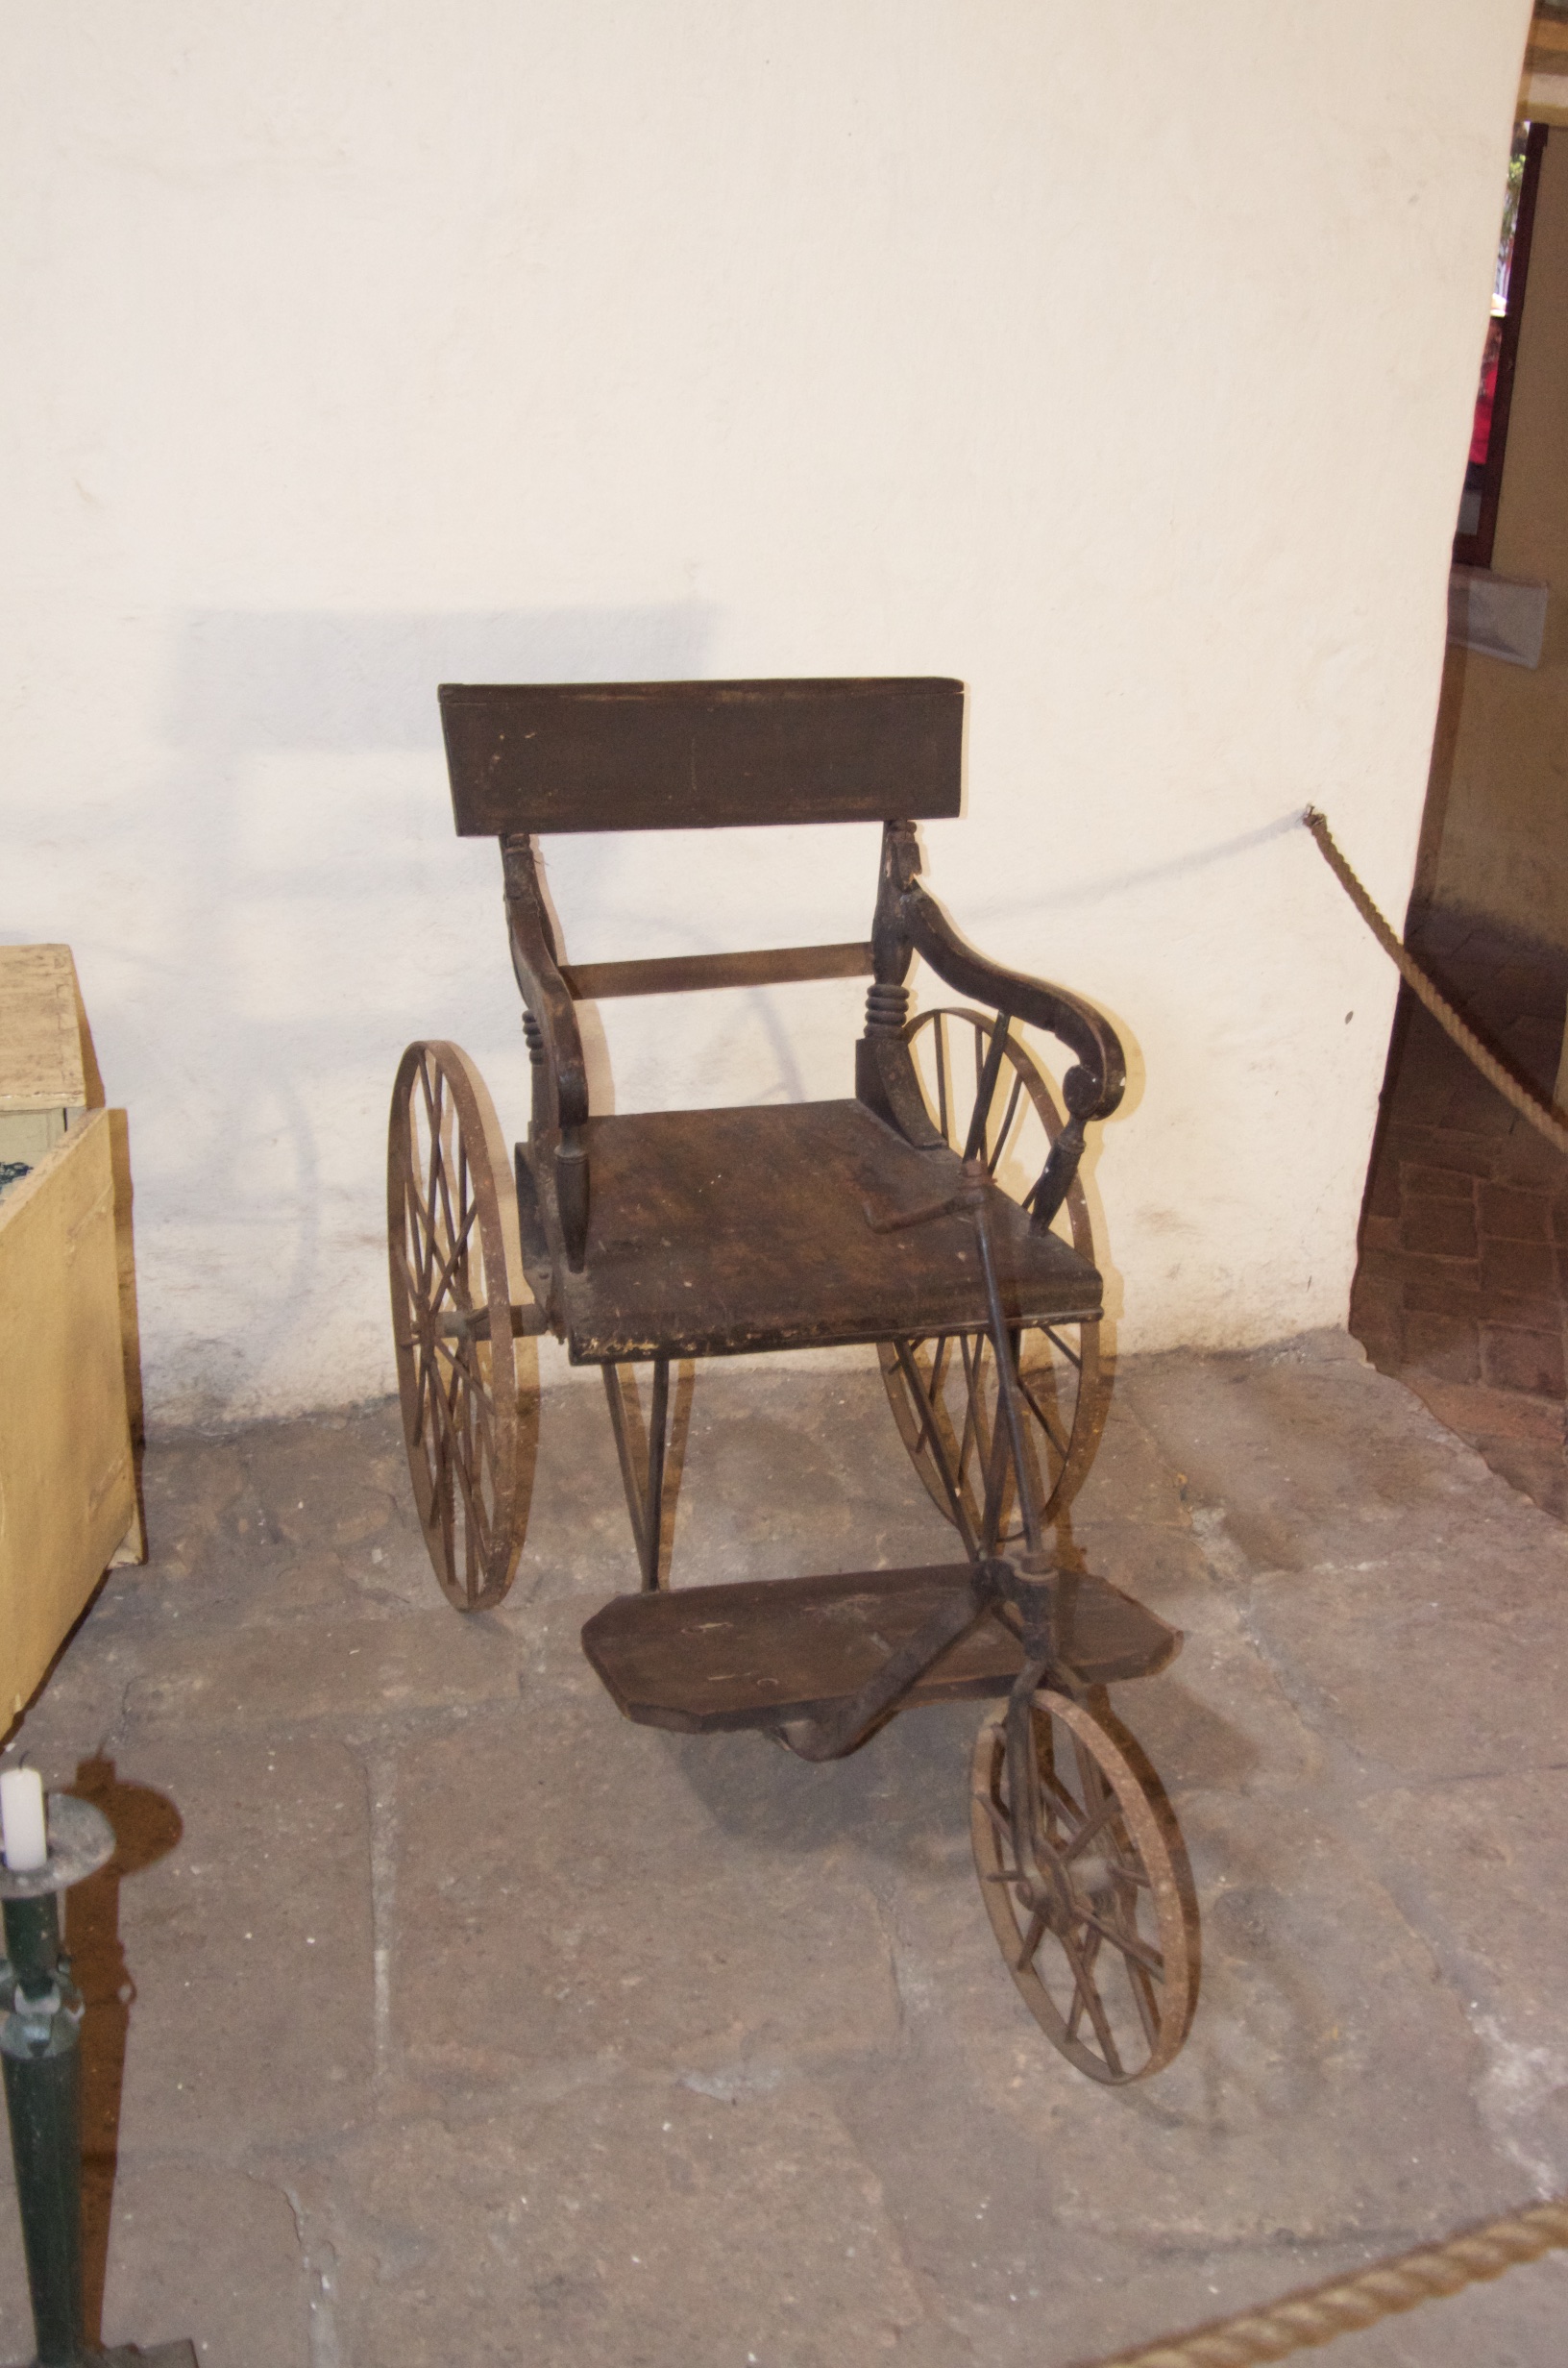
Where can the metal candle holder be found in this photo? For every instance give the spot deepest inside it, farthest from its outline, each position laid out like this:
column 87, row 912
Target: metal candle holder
column 40, row 2050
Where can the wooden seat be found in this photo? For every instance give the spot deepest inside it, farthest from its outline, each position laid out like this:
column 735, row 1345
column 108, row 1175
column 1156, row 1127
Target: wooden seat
column 719, row 1232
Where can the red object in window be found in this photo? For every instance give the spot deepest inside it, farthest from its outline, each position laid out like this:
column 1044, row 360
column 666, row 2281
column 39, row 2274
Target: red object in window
column 1480, row 436
column 1489, row 424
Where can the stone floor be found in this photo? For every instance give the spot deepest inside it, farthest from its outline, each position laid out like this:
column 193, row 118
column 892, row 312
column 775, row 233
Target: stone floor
column 1462, row 1283
column 437, row 2014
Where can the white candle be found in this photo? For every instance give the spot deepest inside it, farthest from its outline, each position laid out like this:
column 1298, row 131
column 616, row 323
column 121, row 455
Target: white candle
column 26, row 1840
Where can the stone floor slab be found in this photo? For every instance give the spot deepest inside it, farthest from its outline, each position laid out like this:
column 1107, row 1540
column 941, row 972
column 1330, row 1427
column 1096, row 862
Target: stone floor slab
column 562, row 1923
column 1425, row 1665
column 1466, row 1862
column 1313, row 1456
column 652, row 2224
column 344, row 1672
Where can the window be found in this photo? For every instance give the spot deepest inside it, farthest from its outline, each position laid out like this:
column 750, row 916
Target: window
column 1483, row 473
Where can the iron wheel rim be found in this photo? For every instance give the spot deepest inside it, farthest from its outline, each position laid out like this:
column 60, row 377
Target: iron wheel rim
column 454, row 1263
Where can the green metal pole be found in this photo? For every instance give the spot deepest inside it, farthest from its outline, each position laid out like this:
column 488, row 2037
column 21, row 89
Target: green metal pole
column 40, row 2054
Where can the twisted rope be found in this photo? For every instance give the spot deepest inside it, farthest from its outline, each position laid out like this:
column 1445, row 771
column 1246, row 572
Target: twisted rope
column 1318, row 2313
column 1513, row 1089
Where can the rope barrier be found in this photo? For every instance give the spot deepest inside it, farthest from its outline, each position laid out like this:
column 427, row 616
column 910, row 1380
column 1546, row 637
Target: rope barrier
column 1317, row 2314
column 1513, row 1089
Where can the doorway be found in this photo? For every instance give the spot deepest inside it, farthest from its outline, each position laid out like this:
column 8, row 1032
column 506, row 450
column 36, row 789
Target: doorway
column 1463, row 1249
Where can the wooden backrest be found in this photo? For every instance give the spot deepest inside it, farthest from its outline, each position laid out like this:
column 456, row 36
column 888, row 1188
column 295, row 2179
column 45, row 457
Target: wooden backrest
column 528, row 756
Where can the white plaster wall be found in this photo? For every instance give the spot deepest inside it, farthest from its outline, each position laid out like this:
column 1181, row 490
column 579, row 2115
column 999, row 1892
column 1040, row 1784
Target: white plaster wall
column 1119, row 360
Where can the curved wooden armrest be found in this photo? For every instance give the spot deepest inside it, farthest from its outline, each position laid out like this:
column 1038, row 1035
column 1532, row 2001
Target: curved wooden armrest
column 1095, row 1086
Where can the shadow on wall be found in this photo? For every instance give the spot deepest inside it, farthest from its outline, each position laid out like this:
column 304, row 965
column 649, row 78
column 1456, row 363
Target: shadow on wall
column 248, row 681
column 309, row 913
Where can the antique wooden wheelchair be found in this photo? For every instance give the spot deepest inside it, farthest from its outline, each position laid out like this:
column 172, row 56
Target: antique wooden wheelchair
column 937, row 1214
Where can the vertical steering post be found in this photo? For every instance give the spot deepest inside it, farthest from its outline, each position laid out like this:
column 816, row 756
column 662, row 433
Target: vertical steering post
column 931, row 1436
column 975, row 1181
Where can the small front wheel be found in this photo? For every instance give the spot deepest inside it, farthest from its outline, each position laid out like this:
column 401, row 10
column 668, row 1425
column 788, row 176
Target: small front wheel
column 457, row 1277
column 1085, row 1887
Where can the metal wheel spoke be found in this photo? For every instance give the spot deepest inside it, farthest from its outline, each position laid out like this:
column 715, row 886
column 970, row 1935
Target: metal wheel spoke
column 420, row 1221
column 1002, row 1822
column 1041, row 1416
column 431, row 1395
column 1083, row 1973
column 430, row 1160
column 928, row 1393
column 1143, row 1965
column 1082, row 1984
column 441, row 1196
column 1033, row 1937
column 1137, row 1951
column 1095, row 1824
column 1142, row 1989
column 442, row 1282
column 441, row 1181
column 431, row 1094
column 994, row 1161
column 1093, row 1788
column 464, row 1401
column 410, row 1280
column 424, row 1231
column 476, row 1396
column 444, row 1393
column 936, row 1445
column 460, row 1471
column 972, row 1355
column 1133, row 1873
column 1060, row 1795
column 433, row 1105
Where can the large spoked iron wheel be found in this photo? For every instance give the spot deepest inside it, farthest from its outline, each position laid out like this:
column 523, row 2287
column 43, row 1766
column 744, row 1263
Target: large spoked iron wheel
column 1058, row 1365
column 457, row 1276
column 1085, row 1888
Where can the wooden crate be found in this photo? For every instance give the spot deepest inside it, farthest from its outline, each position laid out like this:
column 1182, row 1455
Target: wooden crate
column 69, row 1366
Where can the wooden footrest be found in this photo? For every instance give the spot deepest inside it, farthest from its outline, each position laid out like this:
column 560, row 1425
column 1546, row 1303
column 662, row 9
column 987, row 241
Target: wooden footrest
column 705, row 1657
